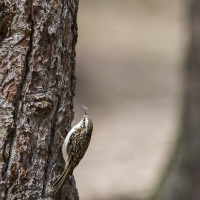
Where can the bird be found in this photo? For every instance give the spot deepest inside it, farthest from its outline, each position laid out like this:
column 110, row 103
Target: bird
column 74, row 147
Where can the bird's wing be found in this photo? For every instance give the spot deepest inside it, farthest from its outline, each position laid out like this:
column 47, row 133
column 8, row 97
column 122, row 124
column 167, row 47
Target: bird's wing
column 77, row 146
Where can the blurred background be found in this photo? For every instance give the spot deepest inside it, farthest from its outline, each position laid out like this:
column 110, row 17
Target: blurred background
column 130, row 57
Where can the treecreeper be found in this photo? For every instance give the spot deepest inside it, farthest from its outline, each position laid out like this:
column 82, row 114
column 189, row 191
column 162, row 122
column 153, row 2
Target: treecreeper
column 74, row 147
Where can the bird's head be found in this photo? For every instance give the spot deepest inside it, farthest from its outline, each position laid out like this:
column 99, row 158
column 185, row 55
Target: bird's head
column 86, row 120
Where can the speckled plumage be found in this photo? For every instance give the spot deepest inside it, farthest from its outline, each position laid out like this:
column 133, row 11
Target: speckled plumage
column 74, row 148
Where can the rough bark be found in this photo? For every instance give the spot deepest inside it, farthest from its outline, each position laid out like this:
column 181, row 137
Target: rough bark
column 37, row 83
column 182, row 181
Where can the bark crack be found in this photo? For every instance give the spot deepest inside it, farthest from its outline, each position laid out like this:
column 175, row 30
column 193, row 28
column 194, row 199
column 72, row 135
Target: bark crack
column 51, row 146
column 27, row 68
column 10, row 140
column 7, row 143
column 62, row 11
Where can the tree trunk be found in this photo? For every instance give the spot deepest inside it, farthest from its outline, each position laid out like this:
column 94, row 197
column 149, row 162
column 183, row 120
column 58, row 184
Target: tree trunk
column 182, row 181
column 37, row 83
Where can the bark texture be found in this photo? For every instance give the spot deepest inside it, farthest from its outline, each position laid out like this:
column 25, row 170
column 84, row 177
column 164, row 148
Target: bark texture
column 37, row 83
column 182, row 181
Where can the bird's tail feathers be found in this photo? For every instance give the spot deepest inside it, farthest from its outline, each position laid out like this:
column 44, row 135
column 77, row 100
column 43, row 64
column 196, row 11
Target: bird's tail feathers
column 61, row 180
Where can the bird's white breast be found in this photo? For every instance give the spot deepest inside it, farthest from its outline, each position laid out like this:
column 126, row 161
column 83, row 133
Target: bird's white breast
column 66, row 141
